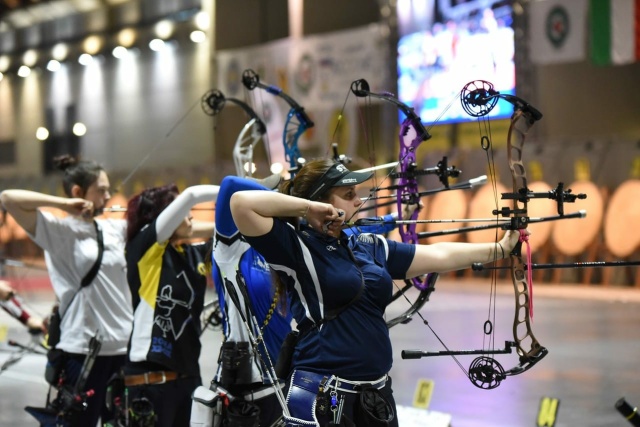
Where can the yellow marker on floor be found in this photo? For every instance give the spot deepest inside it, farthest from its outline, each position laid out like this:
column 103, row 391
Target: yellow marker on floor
column 3, row 333
column 548, row 412
column 422, row 396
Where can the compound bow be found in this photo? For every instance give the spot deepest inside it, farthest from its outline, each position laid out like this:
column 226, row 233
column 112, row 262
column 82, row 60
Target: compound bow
column 478, row 99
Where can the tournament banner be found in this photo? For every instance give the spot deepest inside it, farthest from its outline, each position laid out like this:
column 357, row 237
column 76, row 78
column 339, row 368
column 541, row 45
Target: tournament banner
column 316, row 71
column 323, row 67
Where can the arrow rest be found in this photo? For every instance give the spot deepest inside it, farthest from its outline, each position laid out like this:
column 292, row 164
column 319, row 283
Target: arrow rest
column 507, row 212
column 444, row 172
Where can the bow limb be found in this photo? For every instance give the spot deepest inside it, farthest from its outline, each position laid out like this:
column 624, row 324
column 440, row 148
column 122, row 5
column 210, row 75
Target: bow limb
column 412, row 134
column 250, row 135
column 297, row 119
column 248, row 138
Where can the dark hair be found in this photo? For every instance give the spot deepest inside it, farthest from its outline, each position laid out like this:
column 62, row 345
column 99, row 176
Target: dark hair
column 145, row 207
column 78, row 172
column 302, row 184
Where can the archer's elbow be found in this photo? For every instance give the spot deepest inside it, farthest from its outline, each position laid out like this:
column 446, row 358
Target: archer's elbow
column 240, row 206
column 7, row 202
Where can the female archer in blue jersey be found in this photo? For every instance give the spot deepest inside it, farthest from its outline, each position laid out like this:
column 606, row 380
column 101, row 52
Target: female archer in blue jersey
column 339, row 287
column 241, row 269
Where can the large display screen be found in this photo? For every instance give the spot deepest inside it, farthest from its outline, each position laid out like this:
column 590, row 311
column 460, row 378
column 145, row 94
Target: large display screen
column 448, row 44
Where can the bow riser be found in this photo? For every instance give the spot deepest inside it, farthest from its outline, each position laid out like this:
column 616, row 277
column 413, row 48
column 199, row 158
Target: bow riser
column 292, row 132
column 527, row 346
column 408, row 186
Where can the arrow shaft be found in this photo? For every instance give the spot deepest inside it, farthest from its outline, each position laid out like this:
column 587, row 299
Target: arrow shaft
column 586, row 264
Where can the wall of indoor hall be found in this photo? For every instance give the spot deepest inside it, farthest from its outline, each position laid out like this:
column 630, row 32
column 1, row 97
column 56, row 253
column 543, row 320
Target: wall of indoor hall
column 590, row 129
column 589, row 111
column 147, row 102
column 584, row 105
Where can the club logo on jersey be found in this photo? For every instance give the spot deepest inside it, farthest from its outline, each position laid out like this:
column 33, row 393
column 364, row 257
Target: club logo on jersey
column 173, row 314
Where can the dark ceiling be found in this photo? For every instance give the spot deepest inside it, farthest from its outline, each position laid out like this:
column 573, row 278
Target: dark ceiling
column 11, row 5
column 24, row 13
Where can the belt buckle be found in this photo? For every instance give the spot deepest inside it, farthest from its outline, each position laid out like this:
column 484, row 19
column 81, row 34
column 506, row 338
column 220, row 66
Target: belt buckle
column 164, row 378
column 381, row 382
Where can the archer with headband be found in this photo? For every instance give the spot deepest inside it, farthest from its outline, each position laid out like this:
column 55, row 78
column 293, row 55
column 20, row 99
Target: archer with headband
column 339, row 288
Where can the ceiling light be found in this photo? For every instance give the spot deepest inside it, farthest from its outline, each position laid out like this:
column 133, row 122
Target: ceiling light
column 60, row 52
column 30, row 57
column 79, row 129
column 5, row 62
column 85, row 59
column 53, row 65
column 119, row 52
column 24, row 71
column 248, row 166
column 156, row 45
column 92, row 44
column 126, row 37
column 202, row 21
column 164, row 29
column 277, row 168
column 42, row 133
column 197, row 36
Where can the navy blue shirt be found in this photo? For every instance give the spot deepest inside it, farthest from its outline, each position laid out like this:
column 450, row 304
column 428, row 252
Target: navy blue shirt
column 320, row 274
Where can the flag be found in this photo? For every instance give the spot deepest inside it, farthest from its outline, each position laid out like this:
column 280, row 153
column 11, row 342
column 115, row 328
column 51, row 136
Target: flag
column 615, row 31
column 557, row 31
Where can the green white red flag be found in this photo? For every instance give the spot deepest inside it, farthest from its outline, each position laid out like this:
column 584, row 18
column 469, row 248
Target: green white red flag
column 615, row 31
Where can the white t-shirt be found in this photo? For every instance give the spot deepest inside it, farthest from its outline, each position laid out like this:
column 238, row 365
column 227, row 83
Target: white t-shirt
column 104, row 306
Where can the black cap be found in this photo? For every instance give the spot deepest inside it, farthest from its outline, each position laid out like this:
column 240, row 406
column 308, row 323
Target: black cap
column 337, row 176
